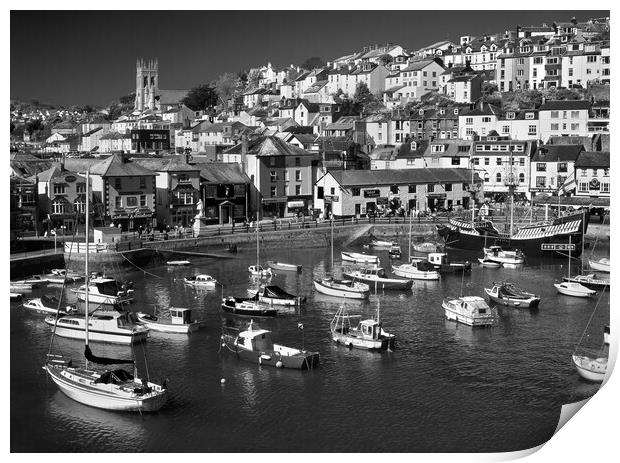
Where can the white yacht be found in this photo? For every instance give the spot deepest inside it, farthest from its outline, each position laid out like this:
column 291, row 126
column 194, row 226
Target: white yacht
column 470, row 310
column 102, row 290
column 113, row 327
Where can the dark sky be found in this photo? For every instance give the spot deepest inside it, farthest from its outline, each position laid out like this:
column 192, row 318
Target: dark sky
column 80, row 57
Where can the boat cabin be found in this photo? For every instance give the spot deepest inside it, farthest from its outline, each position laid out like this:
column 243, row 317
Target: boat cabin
column 438, row 258
column 474, row 305
column 369, row 329
column 374, row 271
column 106, row 286
column 180, row 316
column 255, row 340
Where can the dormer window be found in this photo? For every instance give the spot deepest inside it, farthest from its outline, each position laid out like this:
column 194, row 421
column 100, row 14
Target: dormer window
column 437, row 148
column 414, row 146
column 421, row 112
column 456, row 111
column 510, row 115
column 442, row 111
column 529, row 115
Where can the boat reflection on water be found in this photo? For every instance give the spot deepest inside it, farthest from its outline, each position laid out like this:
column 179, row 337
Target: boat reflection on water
column 467, row 336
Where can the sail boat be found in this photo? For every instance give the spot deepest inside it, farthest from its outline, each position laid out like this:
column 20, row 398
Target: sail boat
column 592, row 366
column 108, row 389
column 257, row 270
column 415, row 269
column 601, row 265
column 572, row 288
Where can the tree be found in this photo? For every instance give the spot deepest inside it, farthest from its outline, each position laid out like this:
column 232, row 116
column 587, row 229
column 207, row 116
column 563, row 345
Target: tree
column 225, row 86
column 200, row 98
column 313, row 62
column 488, row 88
column 252, row 78
column 521, row 99
column 385, row 59
column 128, row 99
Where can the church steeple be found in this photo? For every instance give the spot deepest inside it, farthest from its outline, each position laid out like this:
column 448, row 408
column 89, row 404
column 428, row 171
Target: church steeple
column 147, row 84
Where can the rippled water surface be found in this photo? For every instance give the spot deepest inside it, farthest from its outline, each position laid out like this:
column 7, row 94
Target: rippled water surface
column 446, row 387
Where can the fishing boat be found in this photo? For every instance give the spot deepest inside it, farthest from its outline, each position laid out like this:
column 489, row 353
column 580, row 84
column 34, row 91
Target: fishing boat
column 376, row 278
column 274, row 295
column 108, row 389
column 275, row 265
column 504, row 255
column 201, row 281
column 571, row 288
column 259, row 271
column 368, row 334
column 359, row 257
column 342, row 288
column 509, row 294
column 180, row 321
column 256, row 345
column 416, row 270
column 178, row 263
column 248, row 307
column 395, row 252
column 601, row 265
column 489, row 263
column 439, row 260
column 47, row 305
column 589, row 281
column 103, row 290
column 425, row 247
column 470, row 310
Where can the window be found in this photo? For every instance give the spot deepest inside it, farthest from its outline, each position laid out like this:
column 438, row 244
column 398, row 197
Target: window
column 132, row 201
column 583, row 186
column 570, row 72
column 529, row 115
column 456, row 161
column 411, row 189
column 487, row 161
column 584, row 172
column 469, row 120
column 394, row 189
column 273, row 191
column 297, row 162
column 505, row 129
column 498, row 161
column 320, row 192
column 531, row 130
column 538, row 60
column 562, row 167
column 521, row 61
column 594, row 172
column 272, row 161
column 332, row 191
column 541, row 167
column 541, row 182
column 298, row 175
column 486, row 119
column 476, row 161
column 143, row 200
column 604, row 187
column 117, row 183
column 80, row 188
column 430, row 188
column 498, row 177
column 355, row 191
column 555, row 126
column 591, row 59
column 297, row 189
column 486, row 177
column 521, row 161
column 469, row 131
column 58, row 207
column 118, row 202
column 555, row 114
column 574, row 126
column 273, row 175
column 59, row 189
column 448, row 187
column 521, row 177
column 606, row 172
column 143, row 181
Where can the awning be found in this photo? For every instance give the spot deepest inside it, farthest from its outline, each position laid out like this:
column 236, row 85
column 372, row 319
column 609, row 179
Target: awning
column 295, row 204
column 571, row 201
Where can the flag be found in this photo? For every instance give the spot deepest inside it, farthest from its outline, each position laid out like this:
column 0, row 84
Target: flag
column 568, row 185
column 300, row 326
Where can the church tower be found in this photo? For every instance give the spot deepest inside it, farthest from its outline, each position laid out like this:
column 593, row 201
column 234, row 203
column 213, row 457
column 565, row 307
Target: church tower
column 147, row 84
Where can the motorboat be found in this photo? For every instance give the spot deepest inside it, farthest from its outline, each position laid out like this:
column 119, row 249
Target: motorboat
column 381, row 244
column 274, row 295
column 489, row 263
column 247, row 307
column 21, row 285
column 359, row 257
column 259, row 271
column 570, row 288
column 376, row 278
column 589, row 281
column 440, row 261
column 39, row 280
column 201, row 281
column 102, row 290
column 16, row 296
column 601, row 265
column 99, row 387
column 395, row 252
column 425, row 247
column 342, row 288
column 47, row 305
column 178, row 263
column 275, row 265
column 256, row 345
column 71, row 276
column 368, row 334
column 504, row 255
column 470, row 310
column 593, row 367
column 110, row 326
column 180, row 321
column 509, row 294
column 416, row 270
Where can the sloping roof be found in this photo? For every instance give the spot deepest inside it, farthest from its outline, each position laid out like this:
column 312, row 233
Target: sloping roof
column 344, row 123
column 556, row 105
column 171, row 96
column 557, row 153
column 222, row 172
column 316, row 87
column 379, row 177
column 270, row 146
column 418, row 65
column 383, row 153
column 405, row 151
column 114, row 166
column 593, row 159
column 166, row 165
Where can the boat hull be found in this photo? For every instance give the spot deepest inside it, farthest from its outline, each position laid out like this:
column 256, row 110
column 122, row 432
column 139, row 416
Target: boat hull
column 95, row 298
column 78, row 332
column 302, row 361
column 169, row 327
column 383, row 283
column 489, row 263
column 342, row 293
column 261, row 312
column 575, row 290
column 452, row 314
column 95, row 397
column 359, row 258
column 284, row 267
column 589, row 282
column 365, row 344
column 529, row 303
column 416, row 274
column 590, row 369
column 601, row 267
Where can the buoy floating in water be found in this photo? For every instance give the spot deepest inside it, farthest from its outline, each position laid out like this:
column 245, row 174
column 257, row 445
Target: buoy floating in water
column 223, row 380
column 279, row 364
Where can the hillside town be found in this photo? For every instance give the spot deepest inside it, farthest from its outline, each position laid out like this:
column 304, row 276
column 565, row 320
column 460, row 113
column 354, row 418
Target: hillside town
column 381, row 131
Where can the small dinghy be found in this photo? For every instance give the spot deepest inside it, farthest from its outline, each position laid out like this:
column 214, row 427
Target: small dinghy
column 504, row 255
column 256, row 345
column 180, row 321
column 201, row 281
column 416, row 270
column 259, row 271
column 342, row 288
column 46, row 305
column 377, row 279
column 601, row 265
column 440, row 261
column 593, row 366
column 425, row 247
column 569, row 288
column 283, row 266
column 510, row 295
column 361, row 258
column 395, row 252
column 489, row 263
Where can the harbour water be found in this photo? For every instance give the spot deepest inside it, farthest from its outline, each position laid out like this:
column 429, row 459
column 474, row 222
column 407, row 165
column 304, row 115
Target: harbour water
column 446, row 387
